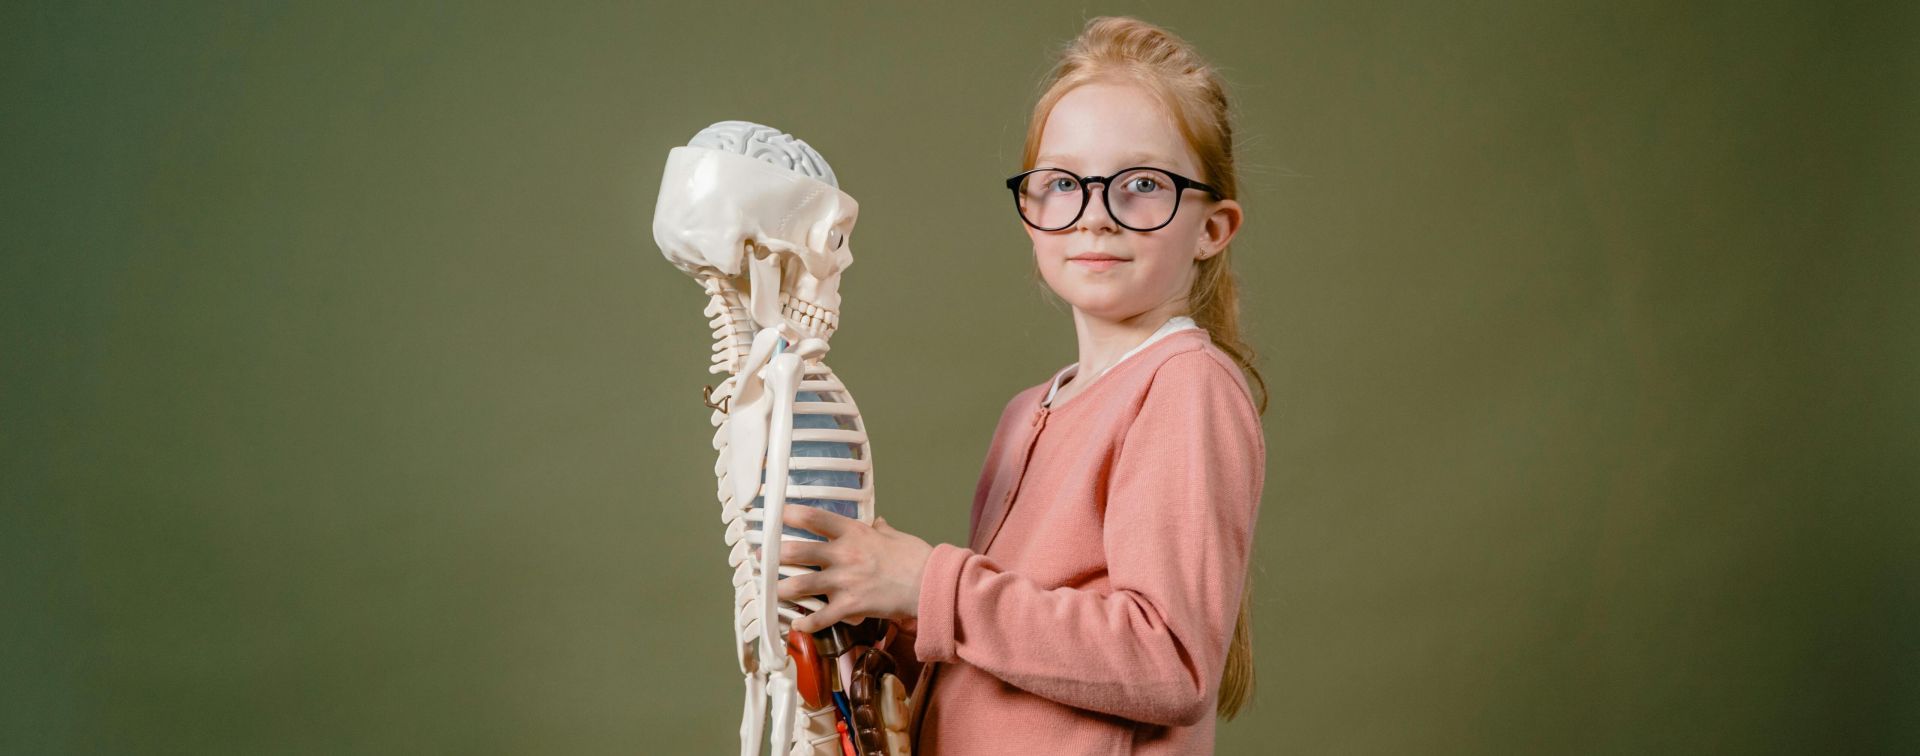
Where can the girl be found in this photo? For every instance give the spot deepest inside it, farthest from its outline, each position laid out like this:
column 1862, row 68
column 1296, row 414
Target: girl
column 1101, row 604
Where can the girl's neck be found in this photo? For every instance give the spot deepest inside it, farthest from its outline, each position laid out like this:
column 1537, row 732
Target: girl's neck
column 1103, row 342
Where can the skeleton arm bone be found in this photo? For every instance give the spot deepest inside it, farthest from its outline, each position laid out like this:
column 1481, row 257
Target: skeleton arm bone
column 783, row 380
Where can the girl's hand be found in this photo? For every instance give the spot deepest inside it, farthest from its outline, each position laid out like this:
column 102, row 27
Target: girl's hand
column 867, row 570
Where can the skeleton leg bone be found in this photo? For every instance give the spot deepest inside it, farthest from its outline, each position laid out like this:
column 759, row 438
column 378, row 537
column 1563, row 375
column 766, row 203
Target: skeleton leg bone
column 754, row 713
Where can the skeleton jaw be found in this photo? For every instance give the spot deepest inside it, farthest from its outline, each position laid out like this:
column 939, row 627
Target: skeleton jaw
column 811, row 319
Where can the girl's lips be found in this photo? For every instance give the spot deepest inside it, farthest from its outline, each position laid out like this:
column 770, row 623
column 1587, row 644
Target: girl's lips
column 1097, row 263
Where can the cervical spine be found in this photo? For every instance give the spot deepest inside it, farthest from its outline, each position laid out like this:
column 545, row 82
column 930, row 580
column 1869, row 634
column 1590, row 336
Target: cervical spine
column 732, row 327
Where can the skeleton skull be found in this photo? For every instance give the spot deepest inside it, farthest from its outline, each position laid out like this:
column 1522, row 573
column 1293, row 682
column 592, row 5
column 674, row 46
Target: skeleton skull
column 762, row 211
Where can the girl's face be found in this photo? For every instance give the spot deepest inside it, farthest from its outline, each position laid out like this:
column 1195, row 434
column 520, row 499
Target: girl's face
column 1096, row 130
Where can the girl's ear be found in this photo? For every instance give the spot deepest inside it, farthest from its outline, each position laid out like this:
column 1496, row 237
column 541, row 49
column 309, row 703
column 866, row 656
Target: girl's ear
column 1223, row 221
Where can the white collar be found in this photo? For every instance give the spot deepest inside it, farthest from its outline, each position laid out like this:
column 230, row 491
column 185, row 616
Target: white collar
column 1173, row 325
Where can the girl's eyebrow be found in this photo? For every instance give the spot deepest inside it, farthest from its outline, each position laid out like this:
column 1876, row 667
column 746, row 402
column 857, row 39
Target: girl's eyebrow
column 1126, row 160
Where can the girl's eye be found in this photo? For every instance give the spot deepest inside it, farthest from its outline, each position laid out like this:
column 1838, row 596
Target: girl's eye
column 1142, row 185
column 1063, row 185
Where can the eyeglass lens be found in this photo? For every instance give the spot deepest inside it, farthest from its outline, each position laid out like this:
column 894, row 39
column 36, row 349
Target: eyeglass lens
column 1142, row 198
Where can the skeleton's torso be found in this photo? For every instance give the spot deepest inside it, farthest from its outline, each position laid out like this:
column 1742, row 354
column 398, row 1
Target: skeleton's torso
column 829, row 467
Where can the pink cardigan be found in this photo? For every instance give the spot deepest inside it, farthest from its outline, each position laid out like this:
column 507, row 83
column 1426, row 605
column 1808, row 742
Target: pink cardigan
column 1110, row 537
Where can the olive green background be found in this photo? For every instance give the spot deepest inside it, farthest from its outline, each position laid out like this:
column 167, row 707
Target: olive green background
column 346, row 405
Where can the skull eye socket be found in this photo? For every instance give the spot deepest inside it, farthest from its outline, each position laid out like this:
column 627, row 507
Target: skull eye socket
column 835, row 239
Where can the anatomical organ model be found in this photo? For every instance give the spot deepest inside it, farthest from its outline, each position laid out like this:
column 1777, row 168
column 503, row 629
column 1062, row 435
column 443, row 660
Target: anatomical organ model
column 757, row 217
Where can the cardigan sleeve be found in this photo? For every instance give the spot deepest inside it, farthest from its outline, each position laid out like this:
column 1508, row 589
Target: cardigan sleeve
column 1180, row 513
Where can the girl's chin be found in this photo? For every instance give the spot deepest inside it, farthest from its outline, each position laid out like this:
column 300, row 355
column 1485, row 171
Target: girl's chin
column 1101, row 296
column 1104, row 309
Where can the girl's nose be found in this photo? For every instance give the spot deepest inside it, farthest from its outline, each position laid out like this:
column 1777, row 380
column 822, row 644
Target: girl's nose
column 1096, row 217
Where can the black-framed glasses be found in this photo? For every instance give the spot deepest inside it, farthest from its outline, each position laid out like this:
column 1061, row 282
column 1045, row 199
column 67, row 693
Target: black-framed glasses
column 1050, row 199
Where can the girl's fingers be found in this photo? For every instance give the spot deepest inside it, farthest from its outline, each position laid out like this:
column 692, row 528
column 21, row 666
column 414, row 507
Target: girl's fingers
column 802, row 551
column 792, row 587
column 816, row 520
column 823, row 619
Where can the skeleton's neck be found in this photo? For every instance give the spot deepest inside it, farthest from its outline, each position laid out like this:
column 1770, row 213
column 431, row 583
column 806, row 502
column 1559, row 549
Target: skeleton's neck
column 732, row 326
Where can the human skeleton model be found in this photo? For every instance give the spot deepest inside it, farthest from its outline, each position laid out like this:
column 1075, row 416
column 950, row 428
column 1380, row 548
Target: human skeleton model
column 756, row 216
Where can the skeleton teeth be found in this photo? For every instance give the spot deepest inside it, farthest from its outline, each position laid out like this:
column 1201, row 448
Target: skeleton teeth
column 813, row 318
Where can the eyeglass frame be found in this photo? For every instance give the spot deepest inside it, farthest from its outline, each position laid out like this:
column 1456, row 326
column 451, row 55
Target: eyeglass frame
column 1180, row 184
